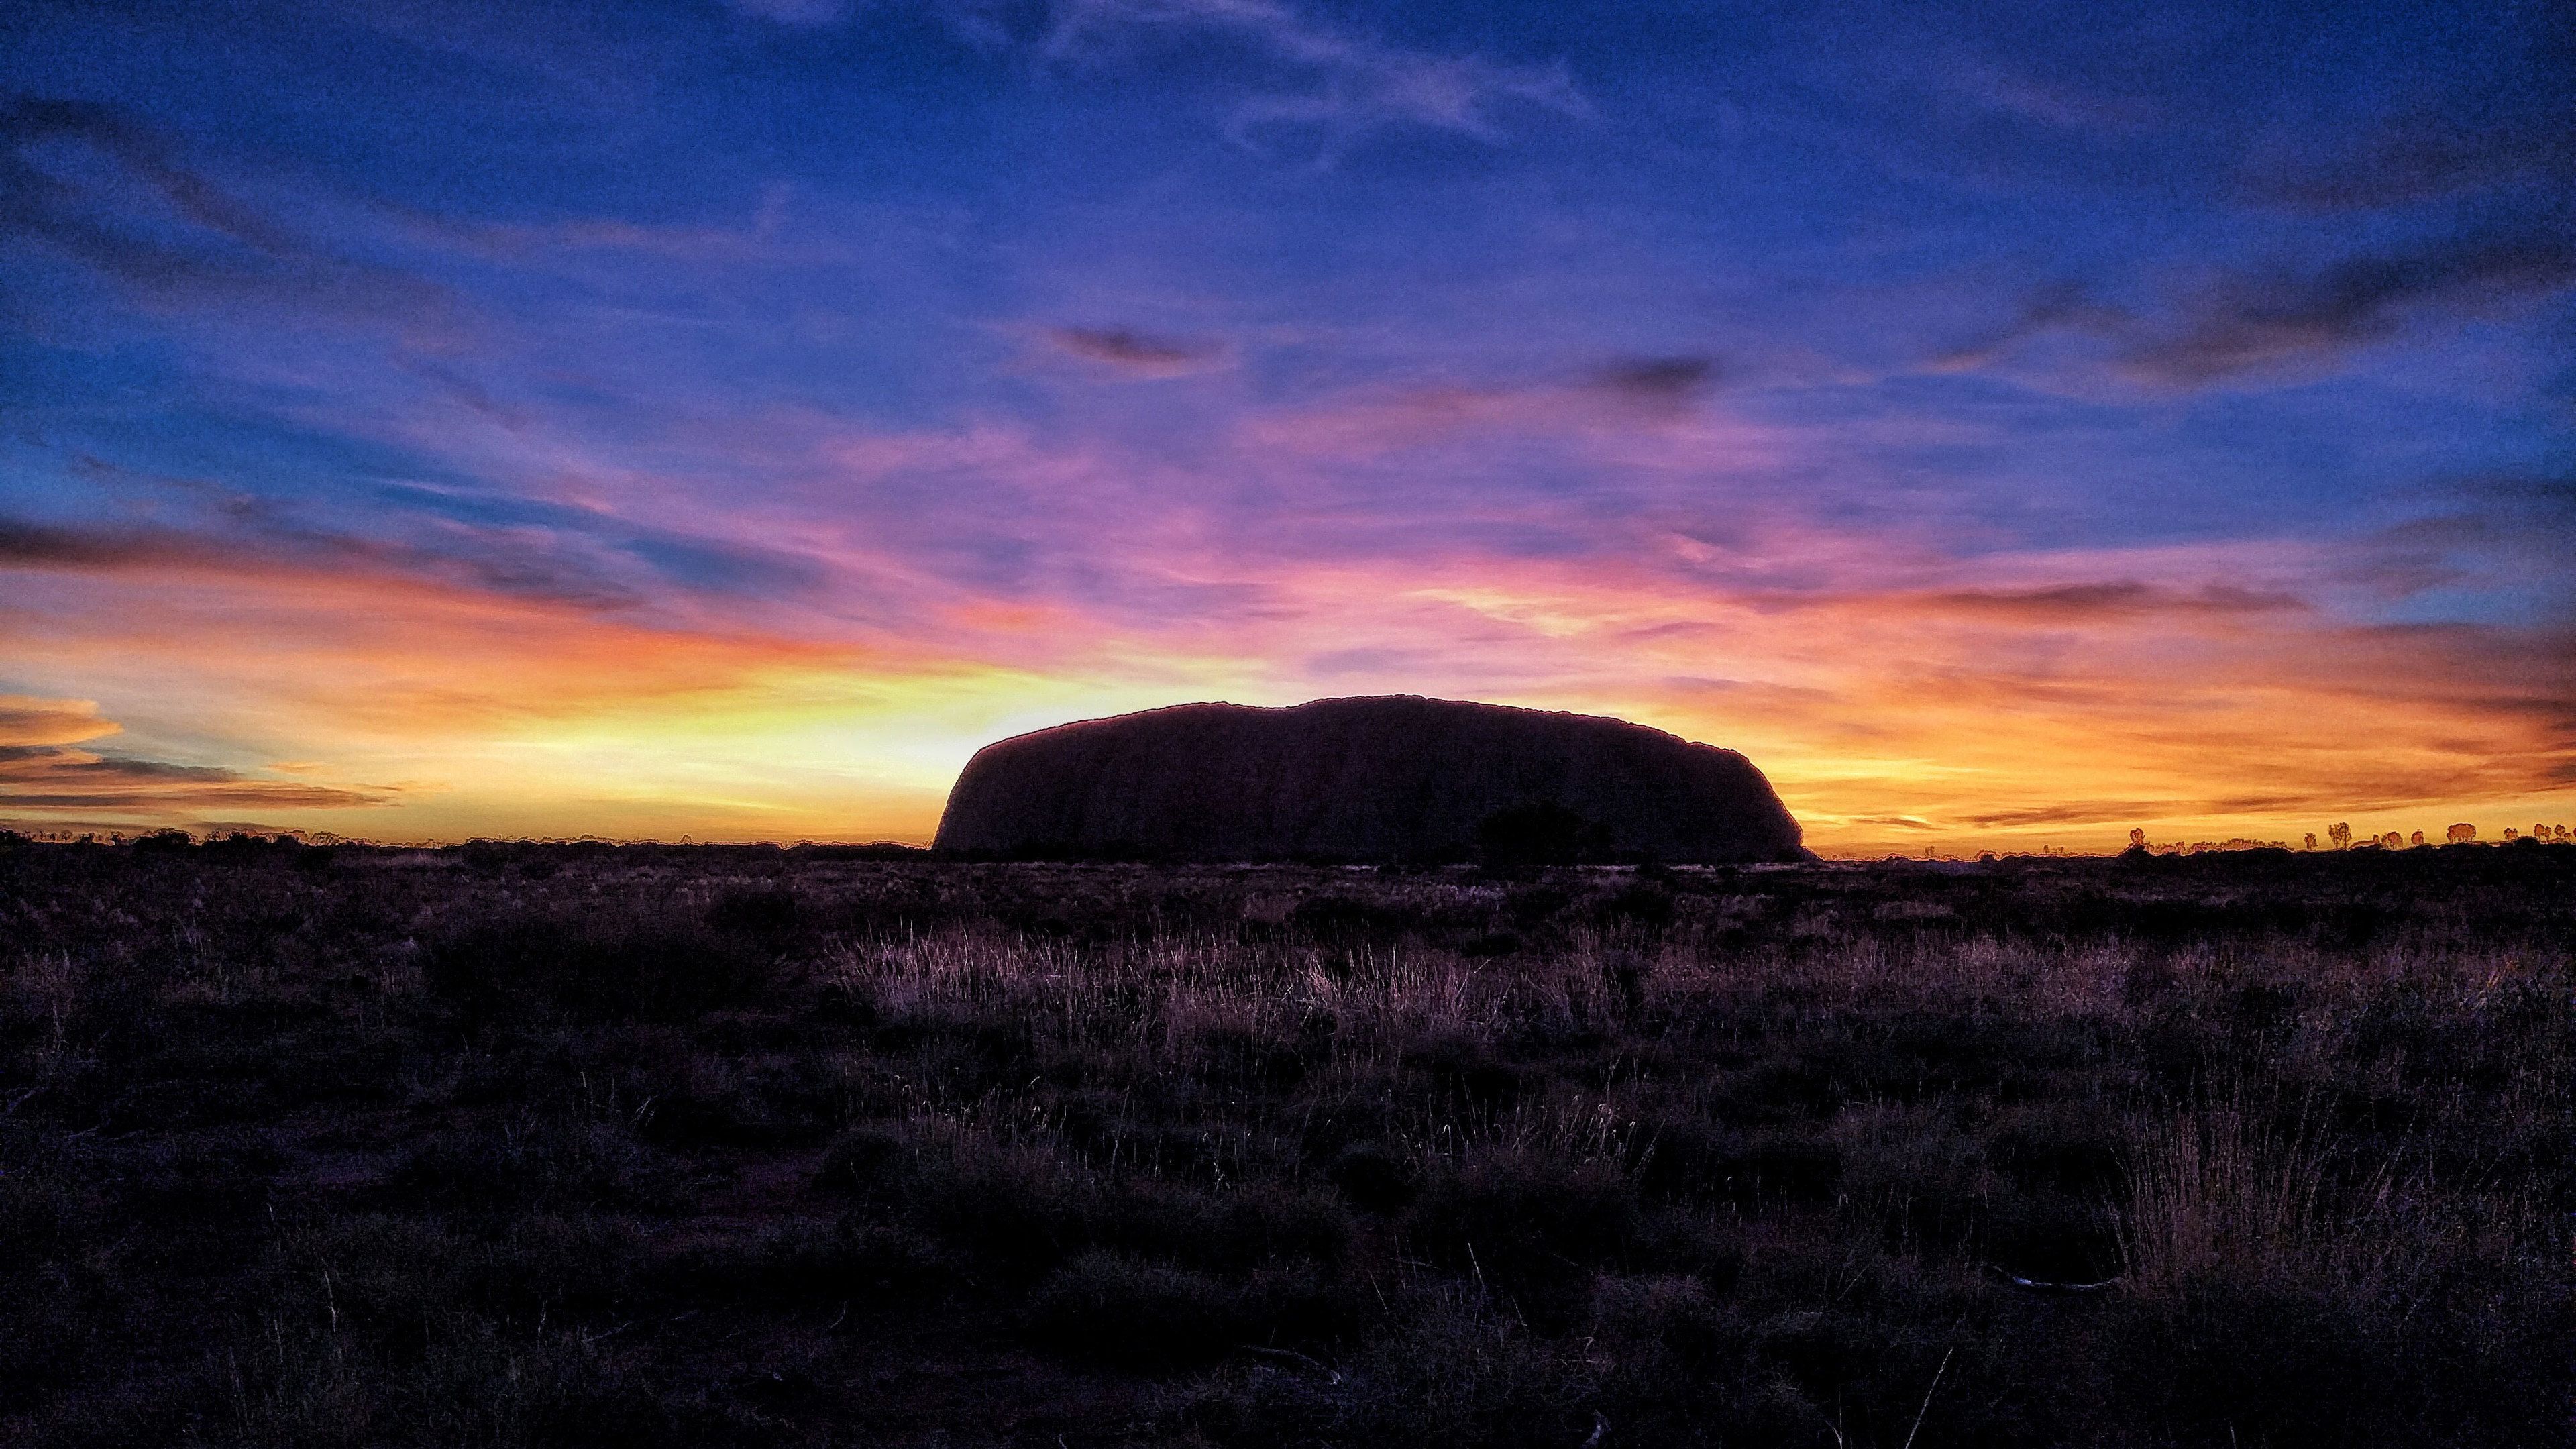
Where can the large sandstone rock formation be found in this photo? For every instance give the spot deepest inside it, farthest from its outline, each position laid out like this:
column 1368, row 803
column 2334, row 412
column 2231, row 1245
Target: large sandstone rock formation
column 1389, row 777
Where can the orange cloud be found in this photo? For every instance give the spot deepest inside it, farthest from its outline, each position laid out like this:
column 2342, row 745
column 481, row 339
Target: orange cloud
column 45, row 774
column 46, row 779
column 26, row 720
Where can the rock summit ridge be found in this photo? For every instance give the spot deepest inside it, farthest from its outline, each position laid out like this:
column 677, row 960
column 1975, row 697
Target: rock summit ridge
column 1383, row 777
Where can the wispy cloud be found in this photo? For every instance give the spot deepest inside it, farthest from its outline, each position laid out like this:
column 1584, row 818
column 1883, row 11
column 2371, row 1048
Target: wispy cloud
column 1141, row 354
column 198, row 241
column 1356, row 83
column 2050, row 307
column 1650, row 393
column 496, row 543
column 802, row 14
column 2067, row 603
column 2421, row 157
column 1658, row 382
column 2291, row 319
column 2074, row 812
column 2027, row 95
column 2265, row 320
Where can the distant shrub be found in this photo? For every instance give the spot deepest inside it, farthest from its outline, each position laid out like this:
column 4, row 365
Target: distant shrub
column 882, row 850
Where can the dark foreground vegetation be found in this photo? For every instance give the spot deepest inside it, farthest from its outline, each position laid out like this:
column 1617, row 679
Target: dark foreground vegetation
column 580, row 1145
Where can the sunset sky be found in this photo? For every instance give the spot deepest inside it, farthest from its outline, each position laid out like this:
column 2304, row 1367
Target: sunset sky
column 2006, row 425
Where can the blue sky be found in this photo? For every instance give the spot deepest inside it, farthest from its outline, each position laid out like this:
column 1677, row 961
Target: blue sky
column 2006, row 423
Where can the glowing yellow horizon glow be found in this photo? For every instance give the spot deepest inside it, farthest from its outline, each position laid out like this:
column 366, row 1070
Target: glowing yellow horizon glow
column 1957, row 720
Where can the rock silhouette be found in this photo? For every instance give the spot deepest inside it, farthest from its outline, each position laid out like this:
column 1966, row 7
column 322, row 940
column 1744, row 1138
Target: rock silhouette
column 1391, row 777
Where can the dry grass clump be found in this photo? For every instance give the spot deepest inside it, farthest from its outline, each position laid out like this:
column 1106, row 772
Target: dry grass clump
column 2219, row 1191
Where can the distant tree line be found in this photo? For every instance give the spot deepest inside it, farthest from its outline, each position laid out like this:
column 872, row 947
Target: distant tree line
column 2339, row 836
